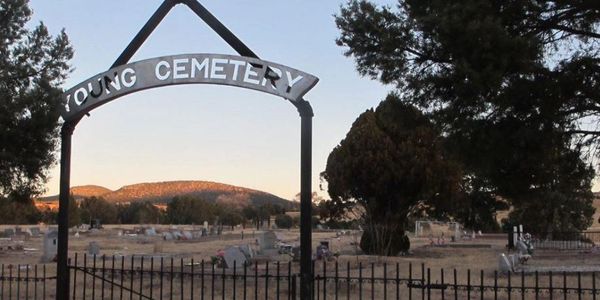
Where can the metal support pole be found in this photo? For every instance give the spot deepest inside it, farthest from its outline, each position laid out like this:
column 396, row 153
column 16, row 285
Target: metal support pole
column 145, row 32
column 62, row 280
column 306, row 272
column 219, row 28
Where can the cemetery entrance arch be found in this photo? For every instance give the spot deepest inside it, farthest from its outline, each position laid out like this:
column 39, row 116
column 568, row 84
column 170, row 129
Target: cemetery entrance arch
column 245, row 71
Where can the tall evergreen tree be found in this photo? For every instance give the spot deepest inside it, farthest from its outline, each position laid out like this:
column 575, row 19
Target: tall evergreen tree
column 33, row 65
column 391, row 166
column 512, row 84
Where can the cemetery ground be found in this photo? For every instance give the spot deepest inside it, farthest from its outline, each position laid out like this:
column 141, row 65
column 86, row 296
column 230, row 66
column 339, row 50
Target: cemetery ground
column 478, row 254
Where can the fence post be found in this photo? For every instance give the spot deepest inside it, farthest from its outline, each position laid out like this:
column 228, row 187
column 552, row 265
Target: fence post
column 293, row 291
column 410, row 283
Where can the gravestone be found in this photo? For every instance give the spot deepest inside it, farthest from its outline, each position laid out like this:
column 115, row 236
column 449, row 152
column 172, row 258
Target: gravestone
column 35, row 231
column 93, row 248
column 150, row 231
column 514, row 260
column 504, row 264
column 248, row 252
column 267, row 240
column 234, row 254
column 177, row 235
column 522, row 247
column 167, row 236
column 50, row 246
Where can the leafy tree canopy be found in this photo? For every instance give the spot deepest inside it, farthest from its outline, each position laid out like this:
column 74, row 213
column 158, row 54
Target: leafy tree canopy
column 513, row 85
column 33, row 65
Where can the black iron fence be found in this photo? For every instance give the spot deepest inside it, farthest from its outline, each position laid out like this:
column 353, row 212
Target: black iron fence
column 175, row 278
column 566, row 240
column 26, row 282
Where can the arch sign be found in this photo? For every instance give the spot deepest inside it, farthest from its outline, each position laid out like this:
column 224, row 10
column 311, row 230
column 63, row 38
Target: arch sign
column 239, row 71
column 245, row 71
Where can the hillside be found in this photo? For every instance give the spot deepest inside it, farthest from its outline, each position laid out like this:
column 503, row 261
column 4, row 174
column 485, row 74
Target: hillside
column 163, row 192
column 82, row 191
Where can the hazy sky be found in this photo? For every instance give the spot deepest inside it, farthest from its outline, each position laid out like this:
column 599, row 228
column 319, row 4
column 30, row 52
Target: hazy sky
column 206, row 132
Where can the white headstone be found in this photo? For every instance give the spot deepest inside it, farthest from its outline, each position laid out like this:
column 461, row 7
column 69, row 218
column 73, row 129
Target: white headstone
column 520, row 231
column 522, row 247
column 50, row 246
column 177, row 235
column 514, row 260
column 206, row 225
column 504, row 264
column 168, row 236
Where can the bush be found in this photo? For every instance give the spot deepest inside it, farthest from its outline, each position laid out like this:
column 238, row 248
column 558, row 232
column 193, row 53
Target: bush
column 284, row 221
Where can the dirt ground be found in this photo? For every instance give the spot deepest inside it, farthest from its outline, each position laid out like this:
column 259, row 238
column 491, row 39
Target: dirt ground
column 480, row 253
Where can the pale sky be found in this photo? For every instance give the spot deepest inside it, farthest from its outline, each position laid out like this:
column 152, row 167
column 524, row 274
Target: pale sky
column 207, row 132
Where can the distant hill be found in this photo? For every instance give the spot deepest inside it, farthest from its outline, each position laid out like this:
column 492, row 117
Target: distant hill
column 163, row 192
column 82, row 191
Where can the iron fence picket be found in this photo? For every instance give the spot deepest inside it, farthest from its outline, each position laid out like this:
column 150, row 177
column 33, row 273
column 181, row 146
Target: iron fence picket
column 495, row 285
column 181, row 285
column 443, row 284
column 481, row 287
column 384, row 281
column 245, row 280
column 18, row 281
column 277, row 281
column 360, row 280
column 594, row 285
column 266, row 280
column 551, row 285
column 235, row 278
column 410, row 281
column 397, row 281
column 35, row 283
